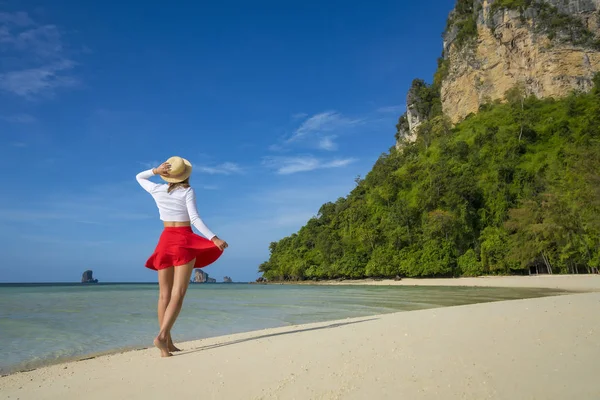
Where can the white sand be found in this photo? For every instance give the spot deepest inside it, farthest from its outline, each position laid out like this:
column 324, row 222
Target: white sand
column 566, row 282
column 545, row 348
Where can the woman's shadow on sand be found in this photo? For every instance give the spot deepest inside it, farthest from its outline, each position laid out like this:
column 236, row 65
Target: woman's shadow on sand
column 232, row 342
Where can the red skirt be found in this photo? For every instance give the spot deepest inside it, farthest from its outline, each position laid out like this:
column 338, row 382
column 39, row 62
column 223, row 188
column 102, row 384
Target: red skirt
column 179, row 246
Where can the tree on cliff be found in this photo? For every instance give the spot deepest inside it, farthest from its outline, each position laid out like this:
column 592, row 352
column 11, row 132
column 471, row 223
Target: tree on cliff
column 515, row 187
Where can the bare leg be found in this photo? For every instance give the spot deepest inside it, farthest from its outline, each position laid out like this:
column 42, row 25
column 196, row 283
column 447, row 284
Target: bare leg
column 165, row 285
column 181, row 282
column 165, row 281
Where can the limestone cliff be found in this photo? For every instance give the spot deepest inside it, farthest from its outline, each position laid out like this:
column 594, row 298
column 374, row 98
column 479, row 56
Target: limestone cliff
column 422, row 101
column 88, row 277
column 199, row 276
column 549, row 48
column 202, row 277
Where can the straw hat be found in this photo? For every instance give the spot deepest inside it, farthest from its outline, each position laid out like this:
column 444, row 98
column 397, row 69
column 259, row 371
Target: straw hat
column 181, row 169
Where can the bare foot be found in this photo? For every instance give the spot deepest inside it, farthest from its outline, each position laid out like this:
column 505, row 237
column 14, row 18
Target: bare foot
column 171, row 345
column 163, row 347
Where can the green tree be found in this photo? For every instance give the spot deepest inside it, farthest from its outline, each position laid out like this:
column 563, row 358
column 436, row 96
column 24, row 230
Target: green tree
column 511, row 189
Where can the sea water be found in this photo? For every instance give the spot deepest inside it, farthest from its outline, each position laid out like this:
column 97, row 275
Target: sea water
column 47, row 323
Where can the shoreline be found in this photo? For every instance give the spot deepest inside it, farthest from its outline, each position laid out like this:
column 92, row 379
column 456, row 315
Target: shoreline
column 575, row 283
column 486, row 350
column 571, row 284
column 37, row 365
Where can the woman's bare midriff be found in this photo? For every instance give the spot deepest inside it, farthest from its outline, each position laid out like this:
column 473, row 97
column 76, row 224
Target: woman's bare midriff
column 171, row 224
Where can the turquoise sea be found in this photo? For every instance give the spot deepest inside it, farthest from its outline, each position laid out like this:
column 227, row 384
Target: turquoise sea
column 47, row 323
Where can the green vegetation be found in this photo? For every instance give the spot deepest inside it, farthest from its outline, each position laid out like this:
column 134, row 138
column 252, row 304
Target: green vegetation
column 557, row 25
column 564, row 27
column 443, row 66
column 464, row 20
column 401, row 127
column 520, row 5
column 425, row 99
column 516, row 186
column 467, row 30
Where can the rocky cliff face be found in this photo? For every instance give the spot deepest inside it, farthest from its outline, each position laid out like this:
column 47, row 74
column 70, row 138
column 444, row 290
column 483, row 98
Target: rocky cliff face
column 422, row 100
column 202, row 277
column 549, row 48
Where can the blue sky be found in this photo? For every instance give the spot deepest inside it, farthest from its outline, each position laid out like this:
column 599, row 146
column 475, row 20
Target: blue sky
column 278, row 105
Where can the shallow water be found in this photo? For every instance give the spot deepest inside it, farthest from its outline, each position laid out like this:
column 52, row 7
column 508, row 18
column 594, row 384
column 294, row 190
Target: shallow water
column 42, row 324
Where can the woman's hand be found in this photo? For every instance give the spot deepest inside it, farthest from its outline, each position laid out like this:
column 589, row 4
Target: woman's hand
column 221, row 244
column 163, row 169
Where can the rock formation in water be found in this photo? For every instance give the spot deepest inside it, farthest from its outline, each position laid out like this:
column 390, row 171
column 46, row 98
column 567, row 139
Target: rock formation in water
column 88, row 277
column 202, row 277
column 199, row 276
column 227, row 279
column 547, row 48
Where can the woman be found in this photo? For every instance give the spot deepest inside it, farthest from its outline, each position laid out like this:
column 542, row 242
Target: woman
column 179, row 249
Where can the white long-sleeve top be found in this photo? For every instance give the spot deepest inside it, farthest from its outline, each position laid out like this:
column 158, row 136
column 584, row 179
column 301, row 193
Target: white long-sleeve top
column 177, row 206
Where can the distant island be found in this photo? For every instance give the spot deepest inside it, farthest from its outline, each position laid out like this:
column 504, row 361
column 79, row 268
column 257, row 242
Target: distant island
column 202, row 277
column 88, row 277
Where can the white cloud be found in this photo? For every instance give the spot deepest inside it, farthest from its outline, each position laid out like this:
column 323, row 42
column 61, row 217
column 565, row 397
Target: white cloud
column 327, row 143
column 226, row 168
column 328, row 121
column 29, row 82
column 317, row 131
column 149, row 165
column 392, row 109
column 18, row 18
column 43, row 64
column 292, row 165
column 339, row 163
column 43, row 41
column 299, row 115
column 276, row 148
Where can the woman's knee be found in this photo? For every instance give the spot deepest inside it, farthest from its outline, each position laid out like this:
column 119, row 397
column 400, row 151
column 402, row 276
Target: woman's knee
column 164, row 296
column 178, row 293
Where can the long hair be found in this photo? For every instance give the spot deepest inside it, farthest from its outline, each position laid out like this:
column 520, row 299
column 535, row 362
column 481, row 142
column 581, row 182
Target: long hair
column 182, row 184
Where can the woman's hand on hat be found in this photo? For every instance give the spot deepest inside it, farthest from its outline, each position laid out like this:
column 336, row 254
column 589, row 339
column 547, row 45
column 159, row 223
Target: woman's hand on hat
column 221, row 244
column 163, row 169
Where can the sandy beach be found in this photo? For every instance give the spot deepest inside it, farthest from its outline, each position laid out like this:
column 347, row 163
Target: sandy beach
column 544, row 348
column 577, row 283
